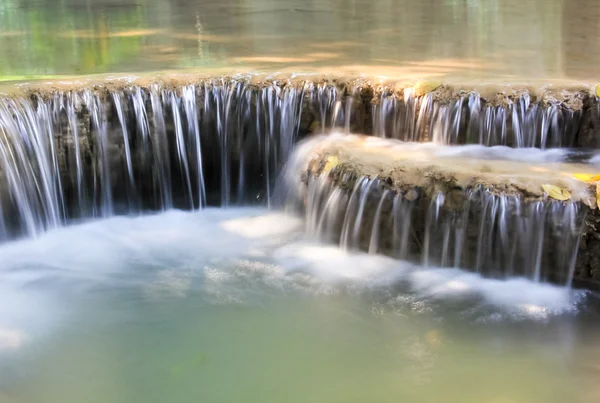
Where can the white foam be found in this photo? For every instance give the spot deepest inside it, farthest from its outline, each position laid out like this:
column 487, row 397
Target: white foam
column 595, row 159
column 475, row 151
column 517, row 294
column 273, row 224
column 164, row 254
column 330, row 263
column 333, row 264
column 430, row 151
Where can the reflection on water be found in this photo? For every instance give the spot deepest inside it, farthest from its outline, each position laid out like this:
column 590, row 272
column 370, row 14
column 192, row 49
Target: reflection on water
column 524, row 38
column 182, row 306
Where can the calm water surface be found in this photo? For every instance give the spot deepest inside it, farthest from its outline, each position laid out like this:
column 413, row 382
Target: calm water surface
column 466, row 38
column 235, row 305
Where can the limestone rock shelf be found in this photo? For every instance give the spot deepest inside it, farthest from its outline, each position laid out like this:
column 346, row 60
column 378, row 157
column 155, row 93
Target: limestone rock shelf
column 528, row 114
column 469, row 207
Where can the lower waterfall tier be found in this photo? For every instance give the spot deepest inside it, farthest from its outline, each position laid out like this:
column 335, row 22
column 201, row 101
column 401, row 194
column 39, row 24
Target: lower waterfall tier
column 485, row 210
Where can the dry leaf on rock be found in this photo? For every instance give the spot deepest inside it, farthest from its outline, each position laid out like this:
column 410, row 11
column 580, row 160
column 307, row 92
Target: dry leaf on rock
column 556, row 192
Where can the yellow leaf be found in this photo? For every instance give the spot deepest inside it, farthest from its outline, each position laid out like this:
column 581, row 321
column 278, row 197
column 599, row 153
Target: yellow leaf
column 588, row 178
column 598, row 90
column 330, row 163
column 556, row 193
column 598, row 194
column 426, row 86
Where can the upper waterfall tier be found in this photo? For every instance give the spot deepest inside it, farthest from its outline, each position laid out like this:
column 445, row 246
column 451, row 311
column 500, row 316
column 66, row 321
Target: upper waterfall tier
column 124, row 145
column 550, row 115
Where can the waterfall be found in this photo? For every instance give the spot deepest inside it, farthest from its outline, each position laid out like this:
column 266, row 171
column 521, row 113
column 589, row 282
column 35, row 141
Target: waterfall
column 95, row 152
column 496, row 235
column 68, row 155
column 470, row 119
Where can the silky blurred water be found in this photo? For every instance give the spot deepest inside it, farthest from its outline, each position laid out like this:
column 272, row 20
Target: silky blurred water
column 534, row 39
column 237, row 305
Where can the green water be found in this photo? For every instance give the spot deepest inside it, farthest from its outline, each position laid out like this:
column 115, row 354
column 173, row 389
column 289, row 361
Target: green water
column 235, row 305
column 408, row 38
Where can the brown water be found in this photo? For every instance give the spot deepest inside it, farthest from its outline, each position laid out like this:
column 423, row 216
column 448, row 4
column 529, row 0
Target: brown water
column 466, row 38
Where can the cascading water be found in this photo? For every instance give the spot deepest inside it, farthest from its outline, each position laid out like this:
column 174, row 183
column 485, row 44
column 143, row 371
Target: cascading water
column 495, row 235
column 470, row 119
column 96, row 152
column 463, row 117
column 373, row 195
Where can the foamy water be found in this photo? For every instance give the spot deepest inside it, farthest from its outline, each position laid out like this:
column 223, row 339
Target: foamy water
column 78, row 258
column 433, row 151
column 168, row 285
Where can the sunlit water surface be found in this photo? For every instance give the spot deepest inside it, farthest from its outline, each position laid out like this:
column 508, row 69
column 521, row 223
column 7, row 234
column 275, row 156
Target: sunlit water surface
column 531, row 39
column 235, row 305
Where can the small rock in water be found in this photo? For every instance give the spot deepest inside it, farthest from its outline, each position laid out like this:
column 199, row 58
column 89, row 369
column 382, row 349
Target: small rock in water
column 411, row 195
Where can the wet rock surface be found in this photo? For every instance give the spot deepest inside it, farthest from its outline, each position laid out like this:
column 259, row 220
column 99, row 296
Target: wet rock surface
column 561, row 114
column 439, row 220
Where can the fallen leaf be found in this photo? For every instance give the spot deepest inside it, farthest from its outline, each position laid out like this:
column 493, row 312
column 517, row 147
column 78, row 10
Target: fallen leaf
column 425, row 86
column 556, row 193
column 588, row 178
column 330, row 163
